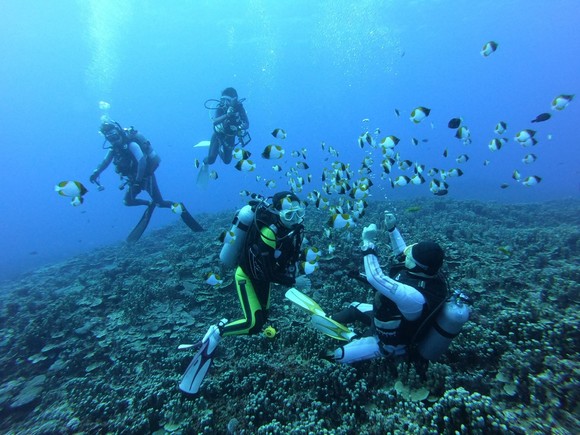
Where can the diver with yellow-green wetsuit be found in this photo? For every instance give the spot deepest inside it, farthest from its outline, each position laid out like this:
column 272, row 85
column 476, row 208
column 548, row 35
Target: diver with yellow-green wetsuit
column 267, row 238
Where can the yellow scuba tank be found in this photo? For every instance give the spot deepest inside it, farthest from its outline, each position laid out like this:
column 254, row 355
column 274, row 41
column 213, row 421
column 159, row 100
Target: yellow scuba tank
column 238, row 232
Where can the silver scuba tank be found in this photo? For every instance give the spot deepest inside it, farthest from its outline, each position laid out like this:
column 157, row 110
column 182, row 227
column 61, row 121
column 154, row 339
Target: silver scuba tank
column 453, row 316
column 237, row 236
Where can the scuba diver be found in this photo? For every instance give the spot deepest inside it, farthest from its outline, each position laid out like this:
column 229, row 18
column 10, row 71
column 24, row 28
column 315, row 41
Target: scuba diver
column 230, row 124
column 265, row 250
column 135, row 161
column 412, row 313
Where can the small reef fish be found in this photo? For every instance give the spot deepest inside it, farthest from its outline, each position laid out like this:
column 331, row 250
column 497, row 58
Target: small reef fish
column 309, row 267
column 76, row 201
column 417, row 179
column 177, row 208
column 488, row 48
column 529, row 158
column 455, row 172
column 390, row 141
column 419, row 114
column 405, row 164
column 196, row 163
column 271, row 184
column 279, row 133
column 103, row 105
column 277, row 168
column 531, row 180
column 438, row 187
column 397, row 113
column 415, row 141
column 462, row 158
column 400, row 181
column 506, row 250
column 496, row 144
column 245, row 165
column 445, row 152
column 70, row 188
column 464, row 134
column 311, row 254
column 213, row 175
column 454, row 123
column 366, row 120
column 241, row 154
column 413, row 209
column 365, row 138
column 341, row 220
column 561, row 101
column 500, row 127
column 524, row 135
column 542, row 117
column 516, row 175
column 504, row 186
column 213, row 279
column 302, row 165
column 273, row 152
column 330, row 249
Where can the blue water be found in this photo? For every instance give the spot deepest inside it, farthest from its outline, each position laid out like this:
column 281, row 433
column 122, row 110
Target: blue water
column 316, row 69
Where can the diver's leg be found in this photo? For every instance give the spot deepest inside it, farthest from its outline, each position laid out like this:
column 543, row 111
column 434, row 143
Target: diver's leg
column 355, row 312
column 214, row 147
column 155, row 193
column 357, row 350
column 130, row 199
column 228, row 148
column 251, row 301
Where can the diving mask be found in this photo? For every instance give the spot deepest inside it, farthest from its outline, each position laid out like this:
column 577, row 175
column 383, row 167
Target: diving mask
column 293, row 215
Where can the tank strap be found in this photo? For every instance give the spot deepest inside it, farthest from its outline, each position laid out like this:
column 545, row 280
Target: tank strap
column 443, row 332
column 242, row 226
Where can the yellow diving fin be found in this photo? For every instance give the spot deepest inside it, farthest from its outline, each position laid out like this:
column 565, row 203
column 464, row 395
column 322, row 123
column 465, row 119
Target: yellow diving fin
column 331, row 327
column 304, row 301
column 318, row 319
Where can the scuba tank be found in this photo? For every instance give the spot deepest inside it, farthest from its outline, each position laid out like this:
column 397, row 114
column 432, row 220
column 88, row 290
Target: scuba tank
column 240, row 225
column 453, row 316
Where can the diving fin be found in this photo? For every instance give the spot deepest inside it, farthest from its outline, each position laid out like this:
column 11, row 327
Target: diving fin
column 304, row 301
column 190, row 221
column 331, row 327
column 201, row 362
column 203, row 175
column 141, row 226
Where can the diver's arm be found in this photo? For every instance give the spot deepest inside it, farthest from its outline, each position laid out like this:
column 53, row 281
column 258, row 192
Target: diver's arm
column 408, row 299
column 220, row 116
column 397, row 242
column 141, row 160
column 104, row 164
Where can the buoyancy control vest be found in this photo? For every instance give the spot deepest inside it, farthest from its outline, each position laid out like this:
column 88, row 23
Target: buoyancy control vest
column 124, row 160
column 254, row 233
column 392, row 328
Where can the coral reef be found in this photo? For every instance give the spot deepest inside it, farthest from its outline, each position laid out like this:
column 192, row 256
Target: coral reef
column 90, row 345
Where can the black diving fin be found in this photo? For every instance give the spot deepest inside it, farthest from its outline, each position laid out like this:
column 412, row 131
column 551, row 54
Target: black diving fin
column 141, row 226
column 190, row 221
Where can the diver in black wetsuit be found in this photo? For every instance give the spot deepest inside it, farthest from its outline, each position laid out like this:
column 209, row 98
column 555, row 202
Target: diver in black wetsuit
column 135, row 161
column 230, row 122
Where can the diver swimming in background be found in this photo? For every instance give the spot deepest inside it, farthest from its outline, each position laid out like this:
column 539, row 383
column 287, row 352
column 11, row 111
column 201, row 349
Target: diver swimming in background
column 266, row 250
column 136, row 161
column 230, row 124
